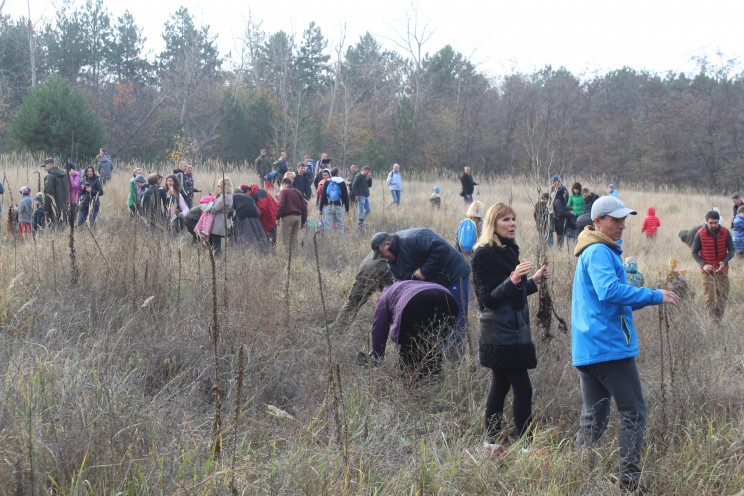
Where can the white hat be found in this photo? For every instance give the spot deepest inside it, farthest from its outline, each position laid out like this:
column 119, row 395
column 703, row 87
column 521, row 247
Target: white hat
column 609, row 205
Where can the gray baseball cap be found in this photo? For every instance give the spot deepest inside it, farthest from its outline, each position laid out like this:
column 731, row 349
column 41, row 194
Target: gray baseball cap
column 609, row 205
column 377, row 240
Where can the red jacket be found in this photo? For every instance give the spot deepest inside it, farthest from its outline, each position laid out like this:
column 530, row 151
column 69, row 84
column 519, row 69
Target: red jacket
column 267, row 207
column 650, row 223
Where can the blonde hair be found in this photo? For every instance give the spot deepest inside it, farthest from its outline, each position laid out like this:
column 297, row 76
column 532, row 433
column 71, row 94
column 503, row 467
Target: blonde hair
column 226, row 183
column 488, row 235
column 289, row 175
column 477, row 209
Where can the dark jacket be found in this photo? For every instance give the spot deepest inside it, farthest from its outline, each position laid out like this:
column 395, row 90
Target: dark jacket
column 39, row 219
column 291, row 202
column 153, row 203
column 505, row 340
column 420, row 248
column 468, row 185
column 56, row 192
column 263, row 165
column 361, row 185
column 344, row 193
column 303, row 183
column 244, row 207
column 192, row 219
column 96, row 190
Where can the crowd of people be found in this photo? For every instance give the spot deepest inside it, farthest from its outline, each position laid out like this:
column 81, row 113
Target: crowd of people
column 425, row 281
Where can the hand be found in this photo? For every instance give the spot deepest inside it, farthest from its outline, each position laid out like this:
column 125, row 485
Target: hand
column 721, row 265
column 542, row 274
column 708, row 268
column 669, row 297
column 418, row 275
column 522, row 270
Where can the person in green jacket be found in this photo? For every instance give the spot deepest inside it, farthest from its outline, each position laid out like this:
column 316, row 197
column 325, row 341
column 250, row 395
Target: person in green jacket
column 56, row 191
column 133, row 198
column 576, row 200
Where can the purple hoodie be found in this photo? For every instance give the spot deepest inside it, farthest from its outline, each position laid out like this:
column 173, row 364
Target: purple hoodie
column 389, row 311
column 75, row 183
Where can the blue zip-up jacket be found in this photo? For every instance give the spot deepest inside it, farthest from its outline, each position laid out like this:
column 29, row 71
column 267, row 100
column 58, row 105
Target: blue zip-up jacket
column 420, row 248
column 394, row 181
column 603, row 302
column 738, row 231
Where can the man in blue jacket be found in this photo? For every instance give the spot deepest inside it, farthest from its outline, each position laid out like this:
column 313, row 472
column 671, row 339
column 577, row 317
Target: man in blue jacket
column 603, row 340
column 421, row 254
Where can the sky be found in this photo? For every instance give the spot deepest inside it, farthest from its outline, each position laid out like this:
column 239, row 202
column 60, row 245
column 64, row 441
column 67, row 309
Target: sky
column 499, row 36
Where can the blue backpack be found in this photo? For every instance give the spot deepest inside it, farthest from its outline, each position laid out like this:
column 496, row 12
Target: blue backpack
column 333, row 192
column 467, row 235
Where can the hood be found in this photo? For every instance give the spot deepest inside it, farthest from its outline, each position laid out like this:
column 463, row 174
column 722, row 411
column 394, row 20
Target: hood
column 254, row 188
column 337, row 179
column 56, row 171
column 590, row 236
column 631, row 267
column 651, row 211
column 74, row 173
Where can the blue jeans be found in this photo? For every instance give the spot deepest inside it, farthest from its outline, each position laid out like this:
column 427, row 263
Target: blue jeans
column 363, row 208
column 600, row 382
column 83, row 215
column 460, row 289
column 396, row 196
column 333, row 214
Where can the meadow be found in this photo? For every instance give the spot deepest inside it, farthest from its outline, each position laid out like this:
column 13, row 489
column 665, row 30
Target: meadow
column 164, row 371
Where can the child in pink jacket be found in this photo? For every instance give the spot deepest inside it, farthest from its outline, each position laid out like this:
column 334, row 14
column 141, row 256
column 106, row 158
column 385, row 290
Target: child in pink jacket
column 650, row 224
column 204, row 226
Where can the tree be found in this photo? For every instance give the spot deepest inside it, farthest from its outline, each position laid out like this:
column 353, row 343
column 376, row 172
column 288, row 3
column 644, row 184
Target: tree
column 125, row 62
column 55, row 117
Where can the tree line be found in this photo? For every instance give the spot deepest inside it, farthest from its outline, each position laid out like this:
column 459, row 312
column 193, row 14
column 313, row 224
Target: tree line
column 361, row 103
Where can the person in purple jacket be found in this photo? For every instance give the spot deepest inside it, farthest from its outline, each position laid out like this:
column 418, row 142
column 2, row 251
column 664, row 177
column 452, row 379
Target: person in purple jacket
column 417, row 316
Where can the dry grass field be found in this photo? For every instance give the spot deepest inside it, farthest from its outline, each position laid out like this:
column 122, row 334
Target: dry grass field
column 111, row 385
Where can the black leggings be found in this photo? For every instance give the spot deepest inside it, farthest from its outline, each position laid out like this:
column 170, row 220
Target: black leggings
column 425, row 323
column 503, row 380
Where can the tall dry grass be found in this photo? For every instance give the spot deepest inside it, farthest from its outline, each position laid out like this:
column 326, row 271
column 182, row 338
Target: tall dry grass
column 108, row 384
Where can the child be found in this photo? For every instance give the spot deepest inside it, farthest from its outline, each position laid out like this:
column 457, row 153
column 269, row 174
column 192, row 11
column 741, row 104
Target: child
column 635, row 278
column 650, row 224
column 25, row 212
column 204, row 226
column 434, row 199
column 39, row 220
column 738, row 233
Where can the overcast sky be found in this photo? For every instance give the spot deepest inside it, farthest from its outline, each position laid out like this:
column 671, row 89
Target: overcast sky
column 501, row 36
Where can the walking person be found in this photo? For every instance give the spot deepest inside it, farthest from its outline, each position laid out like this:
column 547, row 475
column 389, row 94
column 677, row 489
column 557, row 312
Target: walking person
column 468, row 185
column 502, row 285
column 25, row 213
column 89, row 201
column 713, row 249
column 334, row 202
column 603, row 339
column 105, row 166
column 291, row 214
column 395, row 183
column 360, row 191
column 738, row 233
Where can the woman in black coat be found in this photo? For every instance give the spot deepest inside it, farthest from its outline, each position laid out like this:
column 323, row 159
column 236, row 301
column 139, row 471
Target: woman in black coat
column 501, row 287
column 90, row 192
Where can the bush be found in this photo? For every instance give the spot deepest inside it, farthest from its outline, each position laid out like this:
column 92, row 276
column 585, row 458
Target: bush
column 55, row 117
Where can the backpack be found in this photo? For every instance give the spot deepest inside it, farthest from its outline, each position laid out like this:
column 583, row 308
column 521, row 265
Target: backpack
column 466, row 236
column 333, row 192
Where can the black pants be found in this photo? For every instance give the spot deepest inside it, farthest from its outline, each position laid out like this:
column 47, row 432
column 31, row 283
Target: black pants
column 424, row 325
column 215, row 241
column 503, row 380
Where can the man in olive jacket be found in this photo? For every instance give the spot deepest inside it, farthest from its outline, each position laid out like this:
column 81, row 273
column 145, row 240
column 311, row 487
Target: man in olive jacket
column 56, row 189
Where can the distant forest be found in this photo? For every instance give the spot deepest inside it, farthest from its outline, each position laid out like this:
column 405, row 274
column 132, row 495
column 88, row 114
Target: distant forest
column 421, row 106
